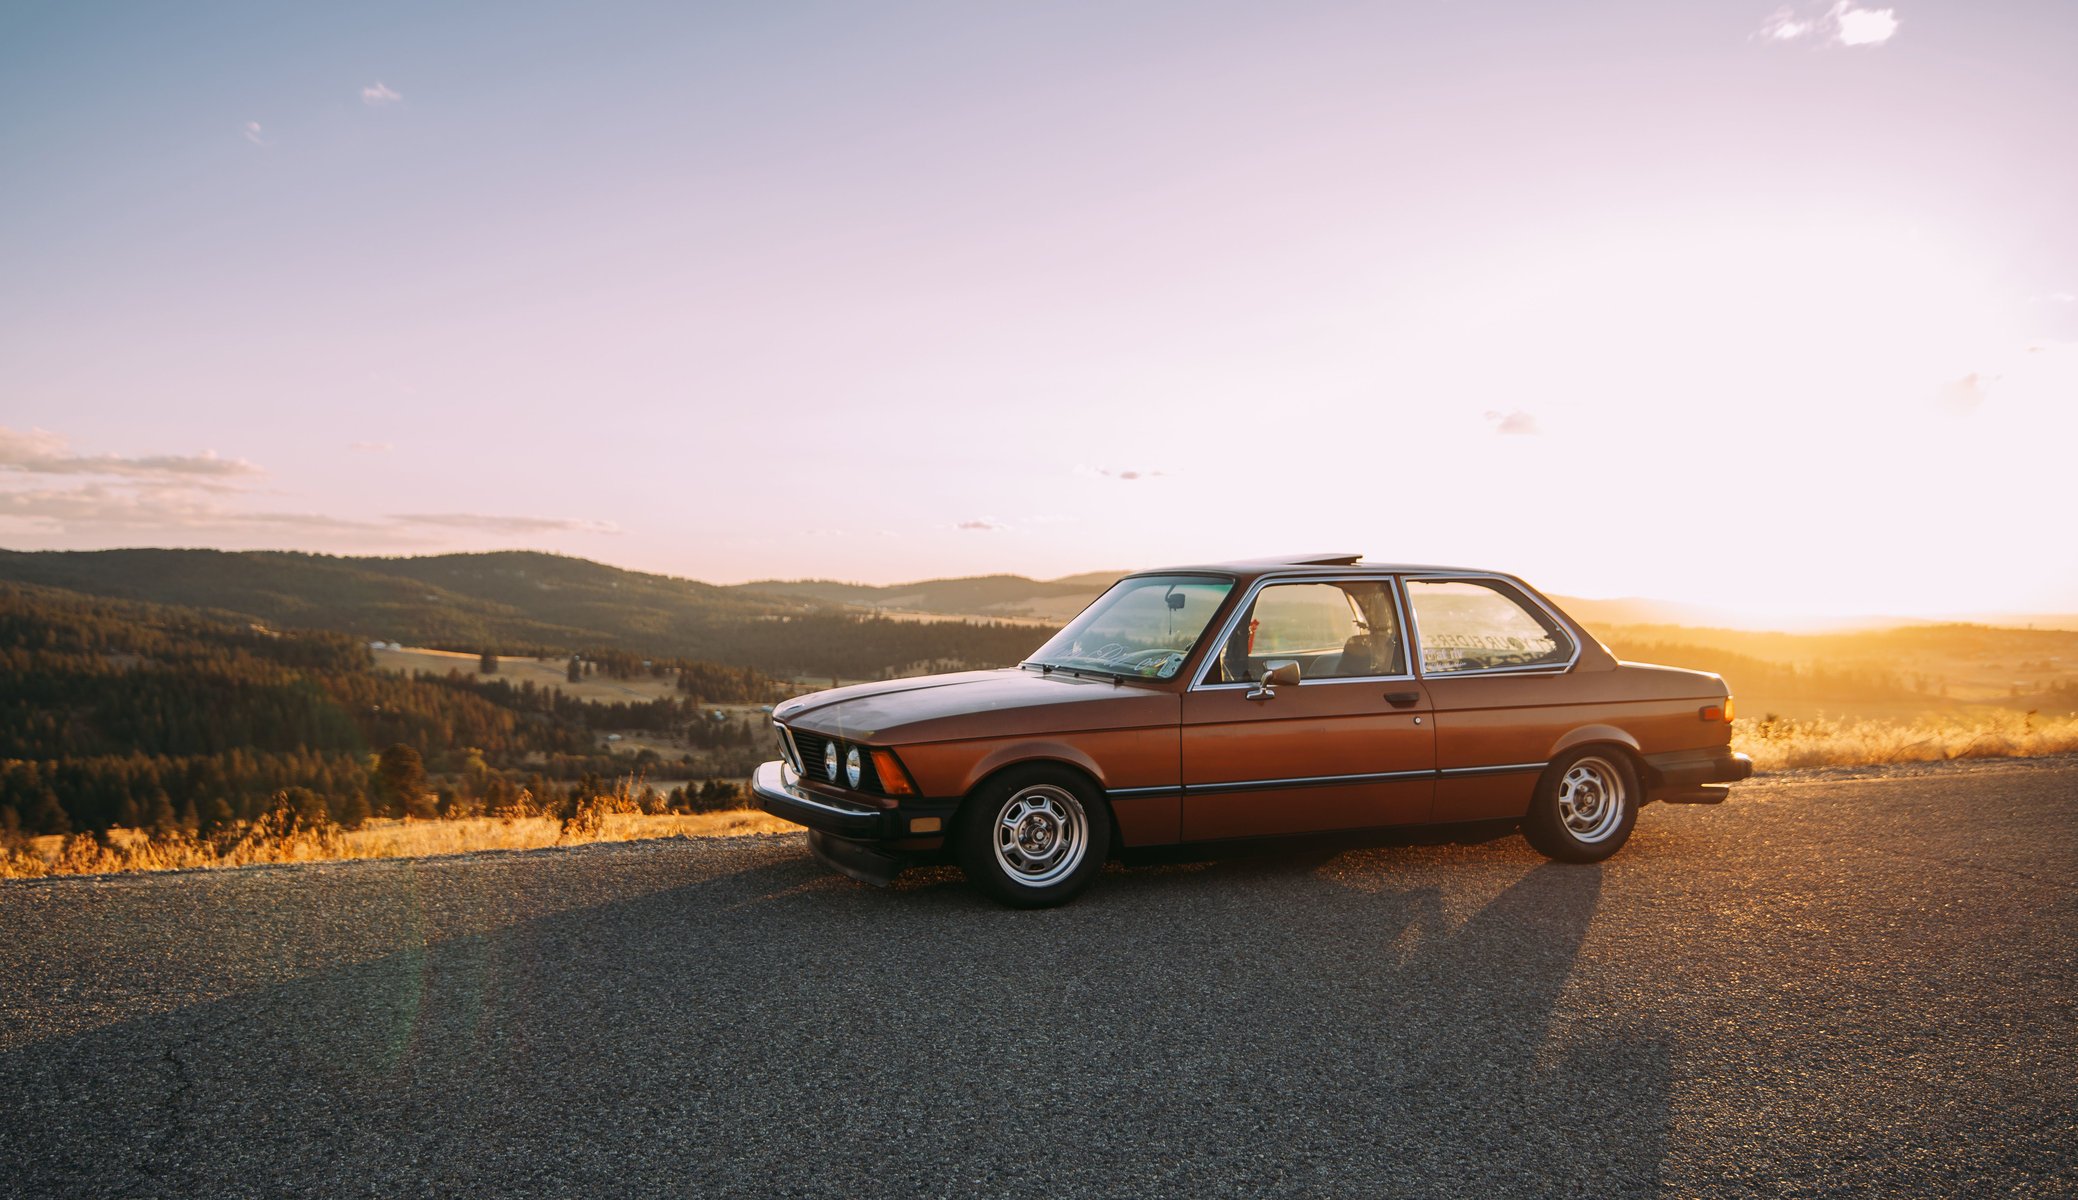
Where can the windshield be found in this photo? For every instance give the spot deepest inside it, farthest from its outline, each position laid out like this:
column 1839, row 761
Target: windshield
column 1143, row 626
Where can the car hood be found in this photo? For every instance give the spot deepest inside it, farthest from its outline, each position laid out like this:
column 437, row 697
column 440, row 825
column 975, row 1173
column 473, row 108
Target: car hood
column 975, row 704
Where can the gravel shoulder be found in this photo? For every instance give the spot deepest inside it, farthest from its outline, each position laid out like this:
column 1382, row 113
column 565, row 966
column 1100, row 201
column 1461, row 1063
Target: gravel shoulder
column 1852, row 982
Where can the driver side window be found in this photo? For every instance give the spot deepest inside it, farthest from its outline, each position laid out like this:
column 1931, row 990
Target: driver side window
column 1341, row 630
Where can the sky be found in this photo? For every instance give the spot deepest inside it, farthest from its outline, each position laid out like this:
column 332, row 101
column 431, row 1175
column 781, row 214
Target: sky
column 1768, row 308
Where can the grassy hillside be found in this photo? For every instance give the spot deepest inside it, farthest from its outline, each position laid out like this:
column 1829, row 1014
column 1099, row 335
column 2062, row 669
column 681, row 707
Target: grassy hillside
column 527, row 604
column 124, row 713
column 983, row 595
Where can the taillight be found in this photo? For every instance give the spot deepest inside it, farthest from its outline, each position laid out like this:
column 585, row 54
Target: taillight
column 1717, row 712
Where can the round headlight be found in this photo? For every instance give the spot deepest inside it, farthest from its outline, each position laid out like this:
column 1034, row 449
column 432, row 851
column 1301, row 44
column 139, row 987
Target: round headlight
column 830, row 761
column 851, row 766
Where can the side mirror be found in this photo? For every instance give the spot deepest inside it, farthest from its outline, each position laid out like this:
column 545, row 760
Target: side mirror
column 1276, row 674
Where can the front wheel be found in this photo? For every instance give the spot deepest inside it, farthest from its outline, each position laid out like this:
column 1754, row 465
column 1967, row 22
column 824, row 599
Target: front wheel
column 1585, row 806
column 1034, row 837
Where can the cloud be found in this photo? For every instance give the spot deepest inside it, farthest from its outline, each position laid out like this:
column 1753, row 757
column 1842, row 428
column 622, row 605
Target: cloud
column 1784, row 26
column 379, row 93
column 47, row 490
column 1863, row 26
column 982, row 525
column 252, row 133
column 1513, row 422
column 486, row 523
column 2055, row 298
column 38, row 452
column 1843, row 25
column 155, row 507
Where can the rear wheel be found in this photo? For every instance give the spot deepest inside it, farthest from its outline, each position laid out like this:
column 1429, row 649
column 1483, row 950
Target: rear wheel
column 1034, row 836
column 1585, row 806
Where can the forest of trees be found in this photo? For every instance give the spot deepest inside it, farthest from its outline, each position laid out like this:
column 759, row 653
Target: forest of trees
column 148, row 716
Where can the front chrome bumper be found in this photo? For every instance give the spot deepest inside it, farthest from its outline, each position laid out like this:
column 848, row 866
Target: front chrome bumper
column 779, row 792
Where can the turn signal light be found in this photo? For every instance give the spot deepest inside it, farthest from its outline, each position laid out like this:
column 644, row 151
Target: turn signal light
column 1716, row 712
column 893, row 779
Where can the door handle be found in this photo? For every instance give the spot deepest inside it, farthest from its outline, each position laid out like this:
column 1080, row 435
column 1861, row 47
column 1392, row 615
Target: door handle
column 1402, row 699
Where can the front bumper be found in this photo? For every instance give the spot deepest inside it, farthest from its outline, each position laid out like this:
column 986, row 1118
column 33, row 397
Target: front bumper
column 868, row 843
column 1696, row 776
column 780, row 793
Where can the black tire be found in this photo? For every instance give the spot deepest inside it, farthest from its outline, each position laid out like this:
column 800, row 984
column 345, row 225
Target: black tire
column 1586, row 804
column 1034, row 837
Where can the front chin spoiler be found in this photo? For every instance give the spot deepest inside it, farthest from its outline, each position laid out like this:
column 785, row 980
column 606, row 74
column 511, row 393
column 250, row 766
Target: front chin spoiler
column 862, row 862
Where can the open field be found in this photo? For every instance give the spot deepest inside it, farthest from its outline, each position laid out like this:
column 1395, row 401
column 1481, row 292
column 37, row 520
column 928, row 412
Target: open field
column 542, row 673
column 1847, row 987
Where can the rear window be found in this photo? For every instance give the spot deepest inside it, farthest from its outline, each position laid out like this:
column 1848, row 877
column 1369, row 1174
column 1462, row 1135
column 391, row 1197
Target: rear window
column 1482, row 625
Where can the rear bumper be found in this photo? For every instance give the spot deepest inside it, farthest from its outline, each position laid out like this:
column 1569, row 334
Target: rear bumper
column 1695, row 776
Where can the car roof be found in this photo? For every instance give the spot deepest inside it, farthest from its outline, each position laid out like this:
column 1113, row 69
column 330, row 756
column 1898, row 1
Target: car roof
column 1321, row 564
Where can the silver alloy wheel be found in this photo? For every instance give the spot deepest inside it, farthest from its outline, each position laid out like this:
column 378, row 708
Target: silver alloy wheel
column 1042, row 835
column 1591, row 799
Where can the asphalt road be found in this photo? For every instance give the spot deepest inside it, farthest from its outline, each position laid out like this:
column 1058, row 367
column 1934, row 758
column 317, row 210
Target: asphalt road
column 1830, row 985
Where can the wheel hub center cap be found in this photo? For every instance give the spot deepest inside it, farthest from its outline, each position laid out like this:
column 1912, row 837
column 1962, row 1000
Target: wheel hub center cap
column 1036, row 833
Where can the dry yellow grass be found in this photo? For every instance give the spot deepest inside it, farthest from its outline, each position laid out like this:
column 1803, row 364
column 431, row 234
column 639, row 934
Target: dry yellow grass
column 1783, row 745
column 276, row 841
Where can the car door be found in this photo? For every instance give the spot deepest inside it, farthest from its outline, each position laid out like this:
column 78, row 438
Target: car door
column 1494, row 662
column 1350, row 746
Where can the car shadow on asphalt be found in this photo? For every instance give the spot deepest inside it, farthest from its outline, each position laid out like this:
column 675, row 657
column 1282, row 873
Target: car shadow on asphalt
column 1268, row 1022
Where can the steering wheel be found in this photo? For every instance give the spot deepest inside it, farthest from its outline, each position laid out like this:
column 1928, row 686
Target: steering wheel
column 1143, row 656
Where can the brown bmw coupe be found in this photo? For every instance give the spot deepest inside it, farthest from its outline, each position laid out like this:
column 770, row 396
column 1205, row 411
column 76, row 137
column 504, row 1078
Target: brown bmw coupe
column 1293, row 695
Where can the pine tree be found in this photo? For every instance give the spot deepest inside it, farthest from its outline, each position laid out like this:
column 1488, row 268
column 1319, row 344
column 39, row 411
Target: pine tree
column 576, row 672
column 400, row 777
column 49, row 816
column 488, row 664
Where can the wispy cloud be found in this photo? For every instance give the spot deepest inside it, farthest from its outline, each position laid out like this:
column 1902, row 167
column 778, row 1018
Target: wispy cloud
column 488, row 523
column 1517, row 422
column 372, row 447
column 47, row 489
column 379, row 93
column 982, row 525
column 156, row 508
column 1785, row 26
column 254, row 134
column 39, row 452
column 1844, row 24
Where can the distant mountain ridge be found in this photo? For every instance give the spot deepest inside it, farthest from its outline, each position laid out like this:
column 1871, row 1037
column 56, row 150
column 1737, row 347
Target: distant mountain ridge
column 980, row 595
column 527, row 599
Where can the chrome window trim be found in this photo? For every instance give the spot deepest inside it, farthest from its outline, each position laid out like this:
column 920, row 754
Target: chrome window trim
column 1226, row 630
column 1522, row 592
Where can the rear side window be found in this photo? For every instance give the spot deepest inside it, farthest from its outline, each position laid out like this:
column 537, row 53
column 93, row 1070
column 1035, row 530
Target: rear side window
column 1480, row 625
